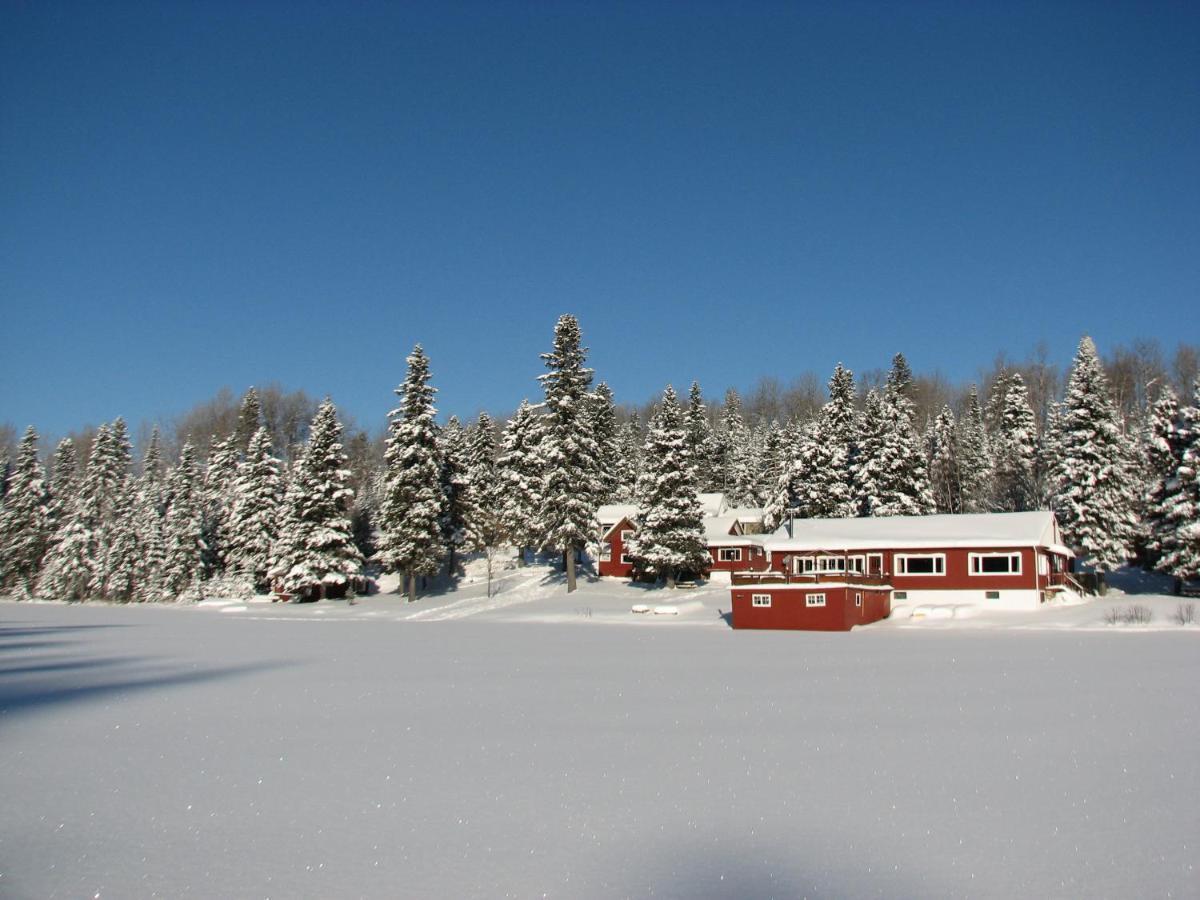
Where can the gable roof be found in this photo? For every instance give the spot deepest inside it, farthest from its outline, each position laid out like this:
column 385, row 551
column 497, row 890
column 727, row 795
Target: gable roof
column 1018, row 529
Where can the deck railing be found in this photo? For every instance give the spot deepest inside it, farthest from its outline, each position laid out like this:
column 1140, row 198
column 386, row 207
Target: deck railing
column 752, row 578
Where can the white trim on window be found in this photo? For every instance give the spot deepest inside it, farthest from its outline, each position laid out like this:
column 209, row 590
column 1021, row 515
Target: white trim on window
column 626, row 534
column 858, row 598
column 856, row 564
column 879, row 568
column 937, row 563
column 814, row 599
column 762, row 600
column 729, row 554
column 605, row 551
column 985, row 564
column 828, row 564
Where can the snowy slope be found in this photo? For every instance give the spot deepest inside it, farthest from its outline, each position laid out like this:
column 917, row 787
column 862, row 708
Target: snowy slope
column 536, row 748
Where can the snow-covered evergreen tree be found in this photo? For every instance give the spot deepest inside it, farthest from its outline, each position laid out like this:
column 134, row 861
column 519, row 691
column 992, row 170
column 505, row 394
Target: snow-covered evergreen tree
column 1014, row 446
column 1093, row 495
column 890, row 475
column 669, row 541
column 974, row 457
column 945, row 479
column 602, row 415
column 629, row 463
column 1164, row 444
column 452, row 451
column 25, row 523
column 64, row 479
column 254, row 517
column 520, row 476
column 569, row 451
column 248, row 422
column 149, row 523
column 701, row 442
column 734, row 452
column 219, row 477
column 123, row 562
column 485, row 519
column 1180, row 505
column 183, row 526
column 315, row 550
column 410, row 516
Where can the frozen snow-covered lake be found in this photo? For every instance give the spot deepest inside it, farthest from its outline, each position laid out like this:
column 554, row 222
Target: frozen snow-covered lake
column 335, row 751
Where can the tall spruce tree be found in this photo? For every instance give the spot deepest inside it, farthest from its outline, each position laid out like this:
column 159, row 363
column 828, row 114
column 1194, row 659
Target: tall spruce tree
column 1179, row 509
column 316, row 549
column 520, row 476
column 183, row 526
column 602, row 414
column 1014, row 446
column 254, row 516
column 149, row 523
column 485, row 520
column 219, row 477
column 1093, row 494
column 25, row 522
column 700, row 440
column 248, row 422
column 945, row 478
column 569, row 511
column 629, row 464
column 669, row 541
column 974, row 457
column 452, row 451
column 413, row 505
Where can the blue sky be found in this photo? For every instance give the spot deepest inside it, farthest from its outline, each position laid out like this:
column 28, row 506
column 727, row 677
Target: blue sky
column 205, row 194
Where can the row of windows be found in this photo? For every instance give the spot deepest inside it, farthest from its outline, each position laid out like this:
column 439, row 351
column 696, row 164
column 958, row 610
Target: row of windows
column 977, row 563
column 809, row 599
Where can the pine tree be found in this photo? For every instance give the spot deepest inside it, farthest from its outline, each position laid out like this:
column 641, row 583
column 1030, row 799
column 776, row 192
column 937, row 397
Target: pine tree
column 974, row 457
column 124, row 546
column 25, row 521
column 1014, row 447
column 629, row 463
column 149, row 523
column 63, row 479
column 569, row 510
column 669, row 541
column 945, row 479
column 248, row 422
column 484, row 521
column 452, row 451
column 520, row 476
column 1093, row 491
column 410, row 517
column 700, row 438
column 104, row 488
column 602, row 416
column 316, row 550
column 183, row 526
column 1164, row 445
column 219, row 477
column 1180, row 506
column 254, row 517
column 732, row 447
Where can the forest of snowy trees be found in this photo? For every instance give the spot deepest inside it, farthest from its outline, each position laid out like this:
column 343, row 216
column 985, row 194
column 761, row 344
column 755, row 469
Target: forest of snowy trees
column 248, row 497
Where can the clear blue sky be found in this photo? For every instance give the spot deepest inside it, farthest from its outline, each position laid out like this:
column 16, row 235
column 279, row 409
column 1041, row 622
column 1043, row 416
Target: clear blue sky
column 203, row 194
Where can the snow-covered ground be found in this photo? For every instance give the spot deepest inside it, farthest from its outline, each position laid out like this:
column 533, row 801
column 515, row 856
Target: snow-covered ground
column 534, row 743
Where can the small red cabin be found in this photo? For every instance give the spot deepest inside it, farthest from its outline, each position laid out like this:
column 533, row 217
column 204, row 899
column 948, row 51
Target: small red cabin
column 809, row 606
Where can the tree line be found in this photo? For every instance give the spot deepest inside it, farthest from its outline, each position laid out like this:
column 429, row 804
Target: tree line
column 265, row 508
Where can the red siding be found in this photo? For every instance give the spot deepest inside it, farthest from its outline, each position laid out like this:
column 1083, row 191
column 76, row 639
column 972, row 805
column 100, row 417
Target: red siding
column 788, row 609
column 957, row 577
column 753, row 559
column 613, row 566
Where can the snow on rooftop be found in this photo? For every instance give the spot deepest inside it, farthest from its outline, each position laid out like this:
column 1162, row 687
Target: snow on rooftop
column 1016, row 529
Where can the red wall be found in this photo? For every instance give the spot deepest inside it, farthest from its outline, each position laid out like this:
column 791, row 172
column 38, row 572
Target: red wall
column 957, row 577
column 614, row 566
column 788, row 609
column 749, row 561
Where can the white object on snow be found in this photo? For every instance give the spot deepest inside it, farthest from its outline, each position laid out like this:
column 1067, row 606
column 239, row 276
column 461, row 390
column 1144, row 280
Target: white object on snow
column 640, row 608
column 666, row 610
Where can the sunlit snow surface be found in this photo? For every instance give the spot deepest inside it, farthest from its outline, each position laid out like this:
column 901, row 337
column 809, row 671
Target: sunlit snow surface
column 535, row 743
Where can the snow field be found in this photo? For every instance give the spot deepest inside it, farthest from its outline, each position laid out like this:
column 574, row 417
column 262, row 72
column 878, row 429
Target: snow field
column 174, row 751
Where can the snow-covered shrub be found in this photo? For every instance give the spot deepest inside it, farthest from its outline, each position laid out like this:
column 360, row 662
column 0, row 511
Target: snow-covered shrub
column 1185, row 614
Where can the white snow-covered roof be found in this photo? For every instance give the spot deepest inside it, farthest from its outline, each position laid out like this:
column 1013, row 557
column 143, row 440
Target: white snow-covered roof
column 712, row 504
column 611, row 513
column 1018, row 529
column 744, row 513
